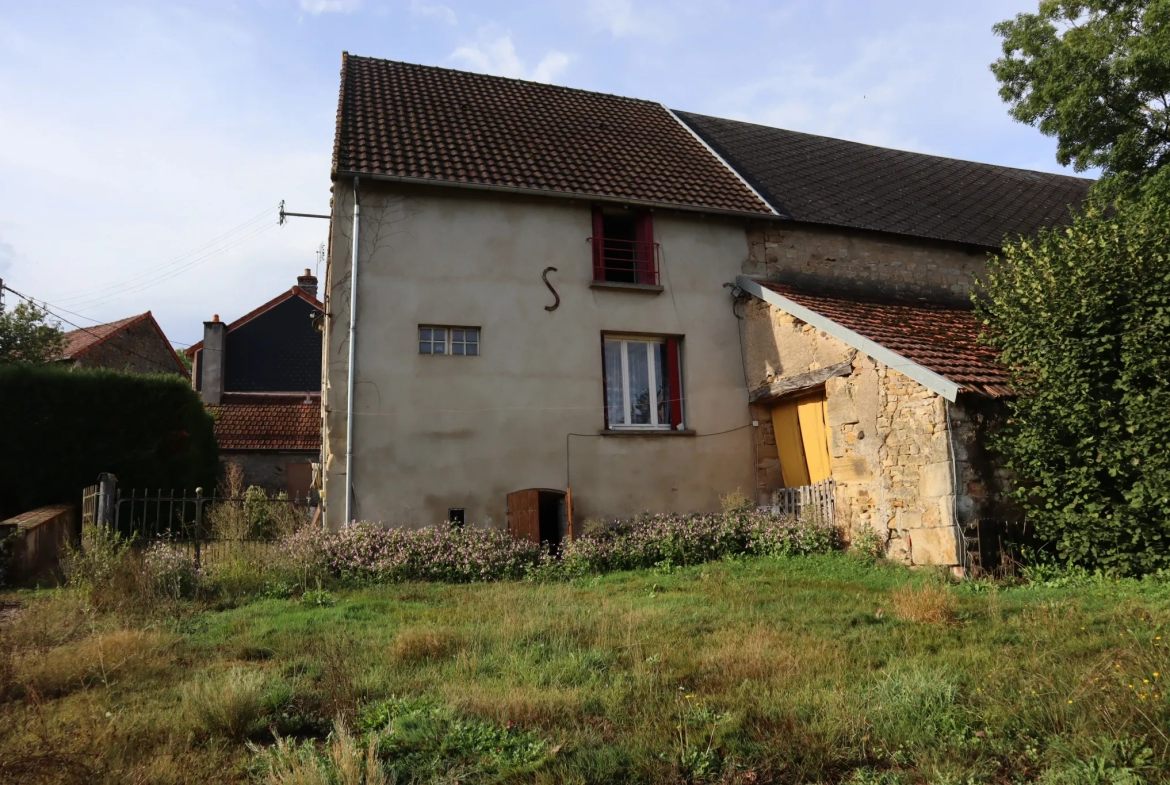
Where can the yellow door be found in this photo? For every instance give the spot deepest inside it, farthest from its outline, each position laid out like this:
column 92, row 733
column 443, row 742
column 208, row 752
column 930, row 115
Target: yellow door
column 814, row 436
column 786, row 424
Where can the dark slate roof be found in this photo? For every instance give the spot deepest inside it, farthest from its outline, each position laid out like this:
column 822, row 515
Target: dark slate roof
column 831, row 181
column 436, row 124
column 943, row 338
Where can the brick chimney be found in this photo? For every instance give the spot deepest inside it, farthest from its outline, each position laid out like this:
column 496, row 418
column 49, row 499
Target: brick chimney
column 212, row 361
column 308, row 283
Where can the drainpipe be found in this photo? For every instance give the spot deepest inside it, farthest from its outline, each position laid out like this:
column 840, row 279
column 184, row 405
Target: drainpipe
column 353, row 290
column 960, row 539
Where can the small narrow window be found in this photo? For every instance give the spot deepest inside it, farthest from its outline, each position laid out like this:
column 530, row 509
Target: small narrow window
column 642, row 383
column 461, row 341
column 457, row 516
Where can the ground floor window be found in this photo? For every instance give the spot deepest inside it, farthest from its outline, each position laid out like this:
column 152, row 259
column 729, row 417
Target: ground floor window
column 643, row 382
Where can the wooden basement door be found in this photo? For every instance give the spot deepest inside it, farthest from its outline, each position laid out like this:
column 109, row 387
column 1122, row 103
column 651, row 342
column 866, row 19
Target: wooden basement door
column 524, row 515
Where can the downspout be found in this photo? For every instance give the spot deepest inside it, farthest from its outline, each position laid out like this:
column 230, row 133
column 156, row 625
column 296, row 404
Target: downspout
column 960, row 540
column 353, row 291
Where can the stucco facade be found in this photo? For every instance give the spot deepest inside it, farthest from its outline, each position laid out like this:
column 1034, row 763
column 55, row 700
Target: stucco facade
column 908, row 464
column 434, row 433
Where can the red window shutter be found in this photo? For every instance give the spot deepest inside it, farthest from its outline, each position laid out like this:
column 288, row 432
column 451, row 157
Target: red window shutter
column 598, row 244
column 645, row 255
column 674, row 377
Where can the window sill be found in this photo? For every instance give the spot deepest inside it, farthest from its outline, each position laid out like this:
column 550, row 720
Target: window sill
column 645, row 432
column 645, row 288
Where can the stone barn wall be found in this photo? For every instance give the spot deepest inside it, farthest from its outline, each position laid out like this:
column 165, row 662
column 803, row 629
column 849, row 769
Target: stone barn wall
column 889, row 440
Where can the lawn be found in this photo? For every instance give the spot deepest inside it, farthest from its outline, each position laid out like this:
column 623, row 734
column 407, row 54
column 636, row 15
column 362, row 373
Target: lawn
column 805, row 669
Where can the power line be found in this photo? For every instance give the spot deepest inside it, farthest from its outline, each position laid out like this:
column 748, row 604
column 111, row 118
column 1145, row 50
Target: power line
column 90, row 293
column 77, row 326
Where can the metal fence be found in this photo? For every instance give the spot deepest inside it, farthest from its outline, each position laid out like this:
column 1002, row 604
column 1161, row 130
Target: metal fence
column 817, row 500
column 209, row 526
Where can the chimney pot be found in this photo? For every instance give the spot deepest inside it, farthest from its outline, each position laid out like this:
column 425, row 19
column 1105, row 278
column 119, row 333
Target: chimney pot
column 308, row 283
column 215, row 317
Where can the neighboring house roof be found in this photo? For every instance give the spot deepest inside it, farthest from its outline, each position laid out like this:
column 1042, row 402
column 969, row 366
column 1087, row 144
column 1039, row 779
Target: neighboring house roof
column 295, row 291
column 831, row 181
column 929, row 342
column 268, row 423
column 435, row 125
column 84, row 340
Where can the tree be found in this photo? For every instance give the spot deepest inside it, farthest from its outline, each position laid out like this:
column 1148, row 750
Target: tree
column 1082, row 317
column 1095, row 74
column 27, row 337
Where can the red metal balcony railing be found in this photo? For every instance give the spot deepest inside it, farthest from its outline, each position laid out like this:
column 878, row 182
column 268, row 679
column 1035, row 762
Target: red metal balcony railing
column 625, row 261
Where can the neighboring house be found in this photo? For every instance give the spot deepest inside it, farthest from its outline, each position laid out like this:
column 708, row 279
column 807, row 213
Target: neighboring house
column 136, row 345
column 260, row 376
column 481, row 396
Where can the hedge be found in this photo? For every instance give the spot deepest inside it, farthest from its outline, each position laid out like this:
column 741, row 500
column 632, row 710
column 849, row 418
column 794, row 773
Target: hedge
column 61, row 428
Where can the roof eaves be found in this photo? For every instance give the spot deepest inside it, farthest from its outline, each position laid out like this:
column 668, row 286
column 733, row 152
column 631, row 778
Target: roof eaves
column 919, row 373
column 522, row 191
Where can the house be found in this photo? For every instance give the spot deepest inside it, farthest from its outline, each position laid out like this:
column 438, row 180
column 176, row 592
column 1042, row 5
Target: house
column 136, row 344
column 569, row 305
column 260, row 377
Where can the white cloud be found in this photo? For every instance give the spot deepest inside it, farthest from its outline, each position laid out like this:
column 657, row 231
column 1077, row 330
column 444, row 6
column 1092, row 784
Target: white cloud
column 622, row 21
column 495, row 53
column 440, row 12
column 316, row 7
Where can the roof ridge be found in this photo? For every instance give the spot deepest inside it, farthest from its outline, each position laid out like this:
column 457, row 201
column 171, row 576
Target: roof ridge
column 495, row 77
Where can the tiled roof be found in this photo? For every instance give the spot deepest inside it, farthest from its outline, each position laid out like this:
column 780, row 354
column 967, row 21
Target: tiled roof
column 426, row 123
column 77, row 342
column 831, row 181
column 942, row 338
column 268, row 426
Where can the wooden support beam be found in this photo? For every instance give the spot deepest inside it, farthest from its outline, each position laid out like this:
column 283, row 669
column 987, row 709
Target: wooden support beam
column 788, row 385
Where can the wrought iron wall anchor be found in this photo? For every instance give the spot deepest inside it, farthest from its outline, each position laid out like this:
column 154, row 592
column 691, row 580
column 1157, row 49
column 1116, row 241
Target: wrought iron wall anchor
column 544, row 277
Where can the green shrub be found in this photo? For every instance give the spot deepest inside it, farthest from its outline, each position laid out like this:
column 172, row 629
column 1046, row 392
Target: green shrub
column 1081, row 316
column 149, row 430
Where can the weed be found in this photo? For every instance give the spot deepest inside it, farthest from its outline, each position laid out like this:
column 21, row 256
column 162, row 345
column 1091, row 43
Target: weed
column 736, row 503
column 925, row 604
column 229, row 705
column 414, row 645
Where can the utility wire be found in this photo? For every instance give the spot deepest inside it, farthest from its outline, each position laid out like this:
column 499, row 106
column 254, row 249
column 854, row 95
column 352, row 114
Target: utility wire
column 150, row 360
column 78, row 294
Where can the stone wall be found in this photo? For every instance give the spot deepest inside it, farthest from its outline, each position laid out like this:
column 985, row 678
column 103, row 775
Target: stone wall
column 139, row 349
column 850, row 258
column 269, row 469
column 888, row 440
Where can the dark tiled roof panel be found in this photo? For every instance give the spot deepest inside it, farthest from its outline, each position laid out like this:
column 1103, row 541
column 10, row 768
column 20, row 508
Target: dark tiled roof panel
column 831, row 181
column 438, row 124
column 267, row 426
column 943, row 338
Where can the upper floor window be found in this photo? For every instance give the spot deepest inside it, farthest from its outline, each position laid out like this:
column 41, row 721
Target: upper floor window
column 643, row 382
column 448, row 340
column 624, row 250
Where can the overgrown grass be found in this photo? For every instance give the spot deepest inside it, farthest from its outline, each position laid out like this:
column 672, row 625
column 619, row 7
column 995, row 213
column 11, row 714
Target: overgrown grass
column 799, row 669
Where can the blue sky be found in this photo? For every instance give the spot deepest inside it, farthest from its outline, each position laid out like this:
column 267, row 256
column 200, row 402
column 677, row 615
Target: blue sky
column 137, row 140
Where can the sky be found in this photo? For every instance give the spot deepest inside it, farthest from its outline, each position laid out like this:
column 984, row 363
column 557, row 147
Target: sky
column 145, row 146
